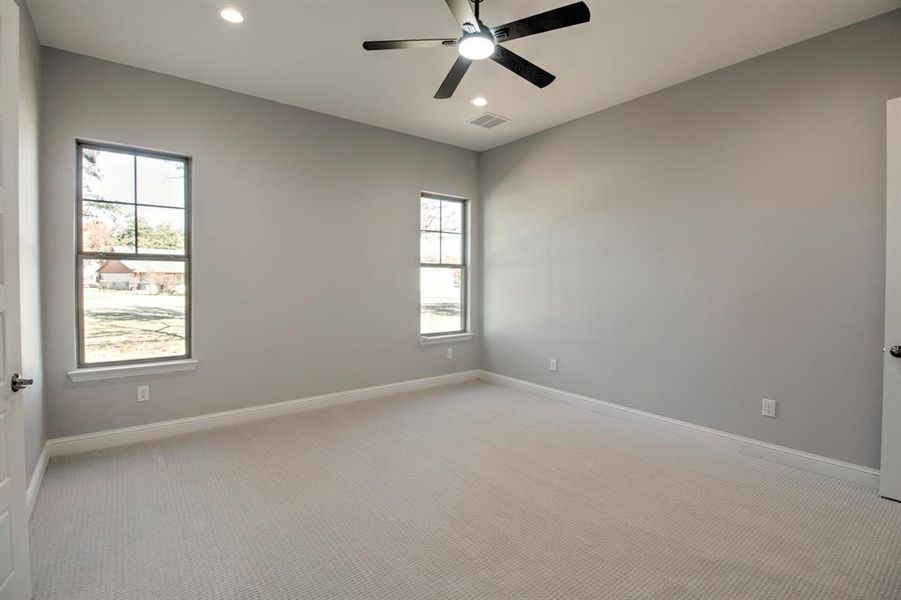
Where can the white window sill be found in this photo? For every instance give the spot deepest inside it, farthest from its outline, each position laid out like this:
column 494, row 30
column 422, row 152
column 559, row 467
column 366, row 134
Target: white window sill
column 432, row 340
column 135, row 370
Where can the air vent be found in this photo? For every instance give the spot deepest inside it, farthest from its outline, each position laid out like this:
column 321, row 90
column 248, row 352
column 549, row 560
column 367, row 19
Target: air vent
column 489, row 120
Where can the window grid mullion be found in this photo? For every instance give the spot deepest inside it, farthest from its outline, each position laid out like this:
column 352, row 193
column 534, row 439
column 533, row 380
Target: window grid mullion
column 120, row 203
column 440, row 231
column 120, row 256
column 135, row 171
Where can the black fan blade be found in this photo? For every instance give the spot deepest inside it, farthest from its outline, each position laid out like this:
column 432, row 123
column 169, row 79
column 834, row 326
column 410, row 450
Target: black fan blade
column 450, row 83
column 546, row 21
column 463, row 13
column 532, row 72
column 404, row 44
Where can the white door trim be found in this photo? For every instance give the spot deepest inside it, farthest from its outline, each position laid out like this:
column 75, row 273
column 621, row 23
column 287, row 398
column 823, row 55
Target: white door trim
column 37, row 478
column 890, row 486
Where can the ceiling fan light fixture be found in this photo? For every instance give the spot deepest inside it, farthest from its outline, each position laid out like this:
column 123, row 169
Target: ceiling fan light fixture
column 476, row 46
column 232, row 15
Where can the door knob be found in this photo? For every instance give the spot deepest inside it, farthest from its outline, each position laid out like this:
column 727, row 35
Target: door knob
column 895, row 351
column 17, row 383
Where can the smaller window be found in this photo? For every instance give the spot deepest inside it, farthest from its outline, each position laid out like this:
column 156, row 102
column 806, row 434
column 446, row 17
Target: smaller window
column 442, row 265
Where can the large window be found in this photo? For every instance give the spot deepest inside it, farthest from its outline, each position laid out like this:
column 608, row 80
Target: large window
column 134, row 255
column 442, row 265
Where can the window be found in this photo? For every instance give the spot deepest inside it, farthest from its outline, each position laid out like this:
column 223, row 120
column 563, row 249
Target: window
column 134, row 255
column 442, row 265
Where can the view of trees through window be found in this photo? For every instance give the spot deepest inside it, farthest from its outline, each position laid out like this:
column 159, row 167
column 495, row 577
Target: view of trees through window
column 442, row 265
column 133, row 259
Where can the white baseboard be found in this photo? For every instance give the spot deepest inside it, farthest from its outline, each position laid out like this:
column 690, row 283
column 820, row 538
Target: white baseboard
column 152, row 431
column 822, row 465
column 815, row 463
column 37, row 477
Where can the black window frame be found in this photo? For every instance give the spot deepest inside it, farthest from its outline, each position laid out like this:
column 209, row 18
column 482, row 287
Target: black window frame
column 81, row 255
column 463, row 265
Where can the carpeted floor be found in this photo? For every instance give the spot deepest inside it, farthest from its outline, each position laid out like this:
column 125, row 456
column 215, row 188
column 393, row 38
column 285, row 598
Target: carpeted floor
column 469, row 491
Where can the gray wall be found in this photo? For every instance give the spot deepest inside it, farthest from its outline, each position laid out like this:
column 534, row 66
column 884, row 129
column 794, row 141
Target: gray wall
column 29, row 250
column 695, row 250
column 305, row 243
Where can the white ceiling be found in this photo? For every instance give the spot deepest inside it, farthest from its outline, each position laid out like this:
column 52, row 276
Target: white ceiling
column 307, row 52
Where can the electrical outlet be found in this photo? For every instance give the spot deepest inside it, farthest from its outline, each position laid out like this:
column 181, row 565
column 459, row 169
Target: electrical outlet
column 768, row 408
column 450, row 352
column 143, row 393
column 553, row 365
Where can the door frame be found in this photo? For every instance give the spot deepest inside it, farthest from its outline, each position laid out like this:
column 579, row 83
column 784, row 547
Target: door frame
column 890, row 470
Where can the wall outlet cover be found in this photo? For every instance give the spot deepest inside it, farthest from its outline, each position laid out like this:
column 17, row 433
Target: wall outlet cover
column 143, row 393
column 768, row 408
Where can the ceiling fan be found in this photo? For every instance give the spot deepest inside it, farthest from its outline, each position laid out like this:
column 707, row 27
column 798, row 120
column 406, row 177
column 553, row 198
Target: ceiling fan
column 480, row 41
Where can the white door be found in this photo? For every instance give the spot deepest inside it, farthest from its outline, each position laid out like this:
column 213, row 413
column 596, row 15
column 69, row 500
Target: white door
column 15, row 570
column 890, row 477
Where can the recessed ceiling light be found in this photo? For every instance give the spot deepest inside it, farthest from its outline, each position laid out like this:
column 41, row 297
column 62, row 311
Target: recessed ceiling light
column 232, row 15
column 479, row 101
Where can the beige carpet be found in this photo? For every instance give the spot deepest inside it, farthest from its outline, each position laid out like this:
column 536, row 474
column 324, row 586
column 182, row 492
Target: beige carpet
column 469, row 491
